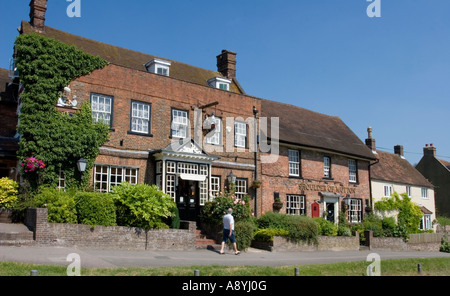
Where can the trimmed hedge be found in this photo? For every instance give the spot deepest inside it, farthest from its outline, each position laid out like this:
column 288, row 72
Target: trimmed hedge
column 95, row 208
column 300, row 228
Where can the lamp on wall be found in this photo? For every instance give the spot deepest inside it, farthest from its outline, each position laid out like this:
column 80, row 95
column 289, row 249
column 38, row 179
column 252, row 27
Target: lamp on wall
column 231, row 178
column 81, row 164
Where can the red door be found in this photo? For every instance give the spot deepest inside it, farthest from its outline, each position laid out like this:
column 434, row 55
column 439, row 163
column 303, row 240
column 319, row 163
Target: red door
column 315, row 210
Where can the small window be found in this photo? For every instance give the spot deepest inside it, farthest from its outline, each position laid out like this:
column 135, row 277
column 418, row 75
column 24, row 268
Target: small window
column 240, row 134
column 215, row 186
column 216, row 139
column 180, row 124
column 424, row 193
column 140, row 117
column 102, row 106
column 220, row 83
column 408, row 190
column 294, row 163
column 388, row 190
column 295, row 205
column 352, row 171
column 425, row 222
column 158, row 66
column 355, row 211
column 241, row 188
column 326, row 167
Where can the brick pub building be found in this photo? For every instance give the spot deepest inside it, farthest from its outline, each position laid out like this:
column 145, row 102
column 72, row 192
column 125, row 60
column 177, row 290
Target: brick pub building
column 154, row 107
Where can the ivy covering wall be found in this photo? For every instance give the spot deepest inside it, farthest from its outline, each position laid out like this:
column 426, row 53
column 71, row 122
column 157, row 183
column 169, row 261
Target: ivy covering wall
column 46, row 66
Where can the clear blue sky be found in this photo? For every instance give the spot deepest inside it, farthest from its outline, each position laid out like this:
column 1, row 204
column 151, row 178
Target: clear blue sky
column 391, row 73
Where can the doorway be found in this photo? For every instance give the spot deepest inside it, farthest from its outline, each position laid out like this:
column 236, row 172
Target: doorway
column 330, row 212
column 188, row 200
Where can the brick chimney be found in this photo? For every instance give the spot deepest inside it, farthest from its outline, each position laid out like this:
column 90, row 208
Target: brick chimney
column 370, row 142
column 399, row 151
column 226, row 64
column 38, row 9
column 429, row 150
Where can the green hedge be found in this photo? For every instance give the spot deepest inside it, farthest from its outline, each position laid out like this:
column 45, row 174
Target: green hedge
column 95, row 208
column 267, row 234
column 60, row 205
column 244, row 232
column 300, row 228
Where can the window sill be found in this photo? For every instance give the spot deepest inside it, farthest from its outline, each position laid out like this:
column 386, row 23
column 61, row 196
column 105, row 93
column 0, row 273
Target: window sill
column 296, row 177
column 139, row 134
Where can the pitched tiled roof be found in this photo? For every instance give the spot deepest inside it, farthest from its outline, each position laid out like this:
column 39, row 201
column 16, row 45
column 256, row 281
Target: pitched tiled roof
column 393, row 168
column 130, row 58
column 445, row 163
column 311, row 129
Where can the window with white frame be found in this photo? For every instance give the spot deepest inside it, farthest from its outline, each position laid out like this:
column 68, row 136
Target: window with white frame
column 425, row 223
column 240, row 134
column 216, row 139
column 241, row 188
column 408, row 190
column 326, row 167
column 140, row 117
column 203, row 190
column 180, row 123
column 355, row 211
column 106, row 176
column 294, row 163
column 170, row 185
column 215, row 186
column 352, row 171
column 101, row 106
column 388, row 190
column 424, row 193
column 61, row 181
column 158, row 66
column 295, row 205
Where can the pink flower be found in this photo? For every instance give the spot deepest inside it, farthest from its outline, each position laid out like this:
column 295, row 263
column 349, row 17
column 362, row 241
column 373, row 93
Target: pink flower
column 236, row 201
column 243, row 202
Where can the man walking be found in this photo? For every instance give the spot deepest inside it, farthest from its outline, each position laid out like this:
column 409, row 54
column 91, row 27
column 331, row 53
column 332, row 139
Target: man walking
column 228, row 232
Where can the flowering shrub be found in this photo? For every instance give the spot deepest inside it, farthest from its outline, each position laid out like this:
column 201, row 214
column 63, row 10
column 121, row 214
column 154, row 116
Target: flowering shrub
column 214, row 210
column 31, row 164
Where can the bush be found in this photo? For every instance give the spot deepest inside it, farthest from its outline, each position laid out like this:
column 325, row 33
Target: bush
column 326, row 227
column 142, row 206
column 95, row 208
column 60, row 205
column 267, row 234
column 244, row 232
column 445, row 246
column 300, row 228
column 214, row 211
column 8, row 192
column 344, row 231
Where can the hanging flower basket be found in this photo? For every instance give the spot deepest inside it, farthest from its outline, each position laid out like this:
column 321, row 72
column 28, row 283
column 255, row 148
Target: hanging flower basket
column 256, row 184
column 32, row 165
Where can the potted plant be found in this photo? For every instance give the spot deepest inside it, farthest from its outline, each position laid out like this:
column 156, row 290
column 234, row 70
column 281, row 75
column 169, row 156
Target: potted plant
column 277, row 205
column 256, row 184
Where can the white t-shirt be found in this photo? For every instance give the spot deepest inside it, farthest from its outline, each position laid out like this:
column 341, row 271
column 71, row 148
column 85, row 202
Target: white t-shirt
column 227, row 220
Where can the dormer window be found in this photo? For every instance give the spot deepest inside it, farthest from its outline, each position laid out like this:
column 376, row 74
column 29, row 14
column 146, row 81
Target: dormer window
column 159, row 67
column 220, row 83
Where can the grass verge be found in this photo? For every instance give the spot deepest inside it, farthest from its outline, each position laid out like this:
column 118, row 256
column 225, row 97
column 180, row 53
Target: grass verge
column 396, row 267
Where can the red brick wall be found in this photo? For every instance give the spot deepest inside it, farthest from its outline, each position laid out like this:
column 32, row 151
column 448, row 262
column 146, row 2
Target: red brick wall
column 163, row 93
column 275, row 178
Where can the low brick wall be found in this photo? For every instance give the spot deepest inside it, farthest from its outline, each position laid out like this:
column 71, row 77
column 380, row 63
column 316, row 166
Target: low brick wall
column 417, row 242
column 325, row 243
column 102, row 237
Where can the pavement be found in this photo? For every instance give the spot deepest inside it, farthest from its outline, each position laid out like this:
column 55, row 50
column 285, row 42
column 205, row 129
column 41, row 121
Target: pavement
column 253, row 257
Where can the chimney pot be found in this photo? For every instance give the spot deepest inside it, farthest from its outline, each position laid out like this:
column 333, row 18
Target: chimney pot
column 399, row 150
column 370, row 141
column 38, row 8
column 226, row 64
column 429, row 150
